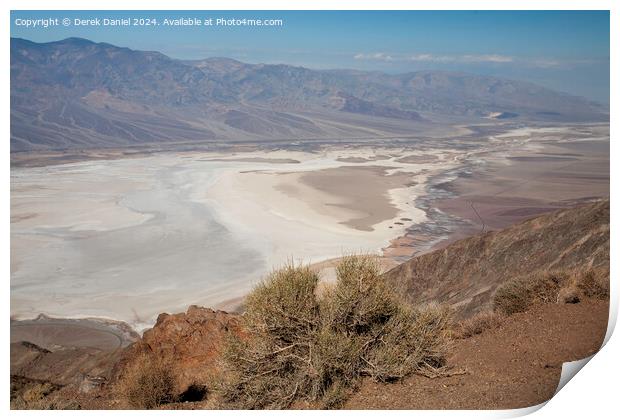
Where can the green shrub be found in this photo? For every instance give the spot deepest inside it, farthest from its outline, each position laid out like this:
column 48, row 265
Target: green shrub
column 301, row 347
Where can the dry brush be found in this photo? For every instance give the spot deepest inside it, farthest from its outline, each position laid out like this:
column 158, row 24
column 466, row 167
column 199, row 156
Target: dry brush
column 300, row 346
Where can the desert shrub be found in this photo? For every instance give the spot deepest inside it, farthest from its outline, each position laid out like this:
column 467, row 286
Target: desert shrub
column 360, row 299
column 549, row 287
column 38, row 391
column 520, row 293
column 569, row 294
column 478, row 323
column 335, row 396
column 511, row 297
column 284, row 305
column 414, row 339
column 544, row 286
column 147, row 383
column 593, row 283
column 271, row 365
column 32, row 394
column 300, row 346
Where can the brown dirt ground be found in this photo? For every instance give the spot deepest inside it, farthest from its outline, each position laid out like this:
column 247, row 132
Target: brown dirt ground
column 516, row 365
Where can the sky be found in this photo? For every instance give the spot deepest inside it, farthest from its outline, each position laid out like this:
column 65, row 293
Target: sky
column 563, row 50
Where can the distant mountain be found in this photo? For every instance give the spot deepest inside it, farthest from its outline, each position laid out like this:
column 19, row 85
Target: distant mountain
column 76, row 93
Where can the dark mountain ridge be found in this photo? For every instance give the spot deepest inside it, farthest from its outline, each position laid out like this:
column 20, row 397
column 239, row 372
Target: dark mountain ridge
column 78, row 93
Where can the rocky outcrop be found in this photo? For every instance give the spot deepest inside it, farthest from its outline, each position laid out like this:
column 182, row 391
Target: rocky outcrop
column 190, row 341
column 466, row 273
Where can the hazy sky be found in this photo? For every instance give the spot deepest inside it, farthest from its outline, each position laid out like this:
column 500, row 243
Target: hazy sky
column 567, row 51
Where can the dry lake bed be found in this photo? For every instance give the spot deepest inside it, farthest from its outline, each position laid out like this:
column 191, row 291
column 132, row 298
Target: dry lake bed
column 130, row 238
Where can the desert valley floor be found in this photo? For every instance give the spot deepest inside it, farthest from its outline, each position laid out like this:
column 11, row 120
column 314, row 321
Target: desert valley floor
column 129, row 238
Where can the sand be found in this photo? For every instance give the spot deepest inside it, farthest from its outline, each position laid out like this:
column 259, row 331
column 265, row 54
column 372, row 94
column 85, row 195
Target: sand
column 363, row 190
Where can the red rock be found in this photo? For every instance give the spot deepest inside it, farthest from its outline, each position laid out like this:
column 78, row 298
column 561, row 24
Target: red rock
column 191, row 341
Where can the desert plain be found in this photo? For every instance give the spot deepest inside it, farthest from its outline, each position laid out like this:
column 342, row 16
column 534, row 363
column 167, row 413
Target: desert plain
column 128, row 238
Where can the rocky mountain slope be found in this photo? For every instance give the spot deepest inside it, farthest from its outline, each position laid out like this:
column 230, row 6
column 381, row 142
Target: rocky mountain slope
column 466, row 273
column 76, row 93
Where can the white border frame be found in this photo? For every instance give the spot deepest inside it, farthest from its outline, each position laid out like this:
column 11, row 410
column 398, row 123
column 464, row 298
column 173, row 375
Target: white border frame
column 592, row 395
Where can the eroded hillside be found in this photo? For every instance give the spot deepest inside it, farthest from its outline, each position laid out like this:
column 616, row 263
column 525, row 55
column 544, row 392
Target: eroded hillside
column 466, row 273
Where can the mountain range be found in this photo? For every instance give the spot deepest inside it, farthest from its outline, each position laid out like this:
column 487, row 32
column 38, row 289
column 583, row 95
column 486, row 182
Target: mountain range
column 76, row 93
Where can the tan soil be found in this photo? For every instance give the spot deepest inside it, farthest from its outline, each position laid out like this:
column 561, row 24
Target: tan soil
column 516, row 365
column 361, row 189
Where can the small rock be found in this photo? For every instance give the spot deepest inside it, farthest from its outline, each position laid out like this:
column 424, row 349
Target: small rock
column 91, row 383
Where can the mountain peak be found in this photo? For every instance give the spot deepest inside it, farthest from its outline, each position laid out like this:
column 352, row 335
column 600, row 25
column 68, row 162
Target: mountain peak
column 75, row 41
column 226, row 99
